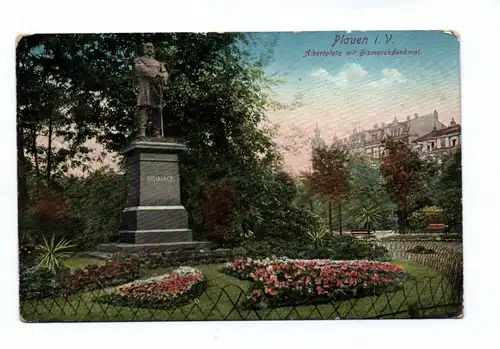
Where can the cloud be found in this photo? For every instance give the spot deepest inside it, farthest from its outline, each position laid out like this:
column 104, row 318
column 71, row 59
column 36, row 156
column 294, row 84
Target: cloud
column 354, row 75
column 351, row 73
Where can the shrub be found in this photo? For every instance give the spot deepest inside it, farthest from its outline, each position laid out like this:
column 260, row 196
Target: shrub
column 421, row 250
column 368, row 215
column 283, row 282
column 165, row 291
column 419, row 220
column 97, row 202
column 38, row 282
column 49, row 214
column 347, row 247
column 95, row 276
column 52, row 253
column 422, row 237
column 217, row 213
column 289, row 223
column 28, row 251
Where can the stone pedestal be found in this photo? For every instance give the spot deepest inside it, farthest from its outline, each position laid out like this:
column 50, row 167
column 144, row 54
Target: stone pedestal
column 153, row 218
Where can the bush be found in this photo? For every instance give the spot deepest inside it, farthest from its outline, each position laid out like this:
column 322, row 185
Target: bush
column 289, row 223
column 217, row 211
column 38, row 282
column 347, row 247
column 49, row 214
column 422, row 237
column 343, row 247
column 97, row 202
column 28, row 251
column 421, row 250
column 419, row 220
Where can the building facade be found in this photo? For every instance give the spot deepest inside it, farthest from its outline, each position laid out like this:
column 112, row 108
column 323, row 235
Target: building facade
column 426, row 133
column 441, row 141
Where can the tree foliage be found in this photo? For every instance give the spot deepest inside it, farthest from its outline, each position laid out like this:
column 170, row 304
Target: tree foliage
column 330, row 177
column 401, row 167
column 79, row 87
column 450, row 198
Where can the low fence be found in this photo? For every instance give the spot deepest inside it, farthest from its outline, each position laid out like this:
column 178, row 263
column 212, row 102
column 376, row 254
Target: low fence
column 420, row 298
column 447, row 258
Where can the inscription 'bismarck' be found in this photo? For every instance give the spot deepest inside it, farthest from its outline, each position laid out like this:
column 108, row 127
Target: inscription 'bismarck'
column 160, row 178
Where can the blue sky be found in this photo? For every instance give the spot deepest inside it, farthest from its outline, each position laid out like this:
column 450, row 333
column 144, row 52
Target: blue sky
column 438, row 63
column 346, row 92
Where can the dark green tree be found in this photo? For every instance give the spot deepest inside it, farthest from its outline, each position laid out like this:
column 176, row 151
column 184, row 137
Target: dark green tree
column 329, row 178
column 450, row 198
column 401, row 167
column 74, row 88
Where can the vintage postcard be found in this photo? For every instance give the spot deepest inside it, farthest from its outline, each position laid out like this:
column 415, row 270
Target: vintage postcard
column 239, row 176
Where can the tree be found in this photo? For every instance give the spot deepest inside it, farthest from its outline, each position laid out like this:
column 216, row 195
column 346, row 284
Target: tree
column 401, row 167
column 450, row 198
column 78, row 87
column 329, row 177
column 369, row 201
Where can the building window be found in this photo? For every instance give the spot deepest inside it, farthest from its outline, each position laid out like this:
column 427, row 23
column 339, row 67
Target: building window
column 428, row 148
column 432, row 145
column 454, row 142
column 442, row 143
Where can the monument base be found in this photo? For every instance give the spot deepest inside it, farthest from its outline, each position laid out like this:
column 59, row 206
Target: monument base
column 154, row 219
column 158, row 247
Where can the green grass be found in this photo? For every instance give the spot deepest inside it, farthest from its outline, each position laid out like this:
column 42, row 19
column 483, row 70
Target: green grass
column 79, row 262
column 224, row 294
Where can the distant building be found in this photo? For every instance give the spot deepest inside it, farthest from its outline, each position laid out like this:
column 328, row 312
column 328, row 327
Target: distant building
column 419, row 131
column 317, row 141
column 440, row 141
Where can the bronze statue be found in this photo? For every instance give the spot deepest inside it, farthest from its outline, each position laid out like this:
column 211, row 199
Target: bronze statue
column 152, row 77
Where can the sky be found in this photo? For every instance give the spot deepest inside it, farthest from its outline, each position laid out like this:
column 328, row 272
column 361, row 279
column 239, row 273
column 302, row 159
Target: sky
column 341, row 92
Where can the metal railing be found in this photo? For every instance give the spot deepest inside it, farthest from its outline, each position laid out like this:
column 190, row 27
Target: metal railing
column 435, row 297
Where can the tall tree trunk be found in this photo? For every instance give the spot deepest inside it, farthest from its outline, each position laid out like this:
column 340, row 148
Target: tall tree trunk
column 405, row 211
column 330, row 220
column 340, row 217
column 401, row 204
column 35, row 150
column 22, row 190
column 49, row 151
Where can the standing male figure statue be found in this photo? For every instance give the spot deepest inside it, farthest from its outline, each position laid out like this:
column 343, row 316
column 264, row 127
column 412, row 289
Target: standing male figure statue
column 152, row 77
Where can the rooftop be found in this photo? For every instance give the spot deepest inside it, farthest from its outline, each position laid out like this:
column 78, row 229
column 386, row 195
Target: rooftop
column 440, row 133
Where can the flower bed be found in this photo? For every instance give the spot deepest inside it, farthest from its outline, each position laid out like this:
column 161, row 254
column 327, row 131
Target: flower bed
column 163, row 291
column 281, row 282
column 95, row 276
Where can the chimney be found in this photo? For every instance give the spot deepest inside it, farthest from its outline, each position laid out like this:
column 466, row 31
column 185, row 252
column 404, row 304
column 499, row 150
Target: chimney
column 375, row 126
column 408, row 118
column 435, row 114
column 415, row 115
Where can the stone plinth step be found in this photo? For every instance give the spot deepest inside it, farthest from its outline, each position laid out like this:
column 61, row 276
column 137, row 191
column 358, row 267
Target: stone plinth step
column 154, row 247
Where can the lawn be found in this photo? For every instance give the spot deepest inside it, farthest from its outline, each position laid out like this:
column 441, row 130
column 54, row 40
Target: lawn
column 224, row 294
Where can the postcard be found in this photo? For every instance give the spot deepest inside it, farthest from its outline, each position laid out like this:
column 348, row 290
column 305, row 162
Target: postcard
column 239, row 176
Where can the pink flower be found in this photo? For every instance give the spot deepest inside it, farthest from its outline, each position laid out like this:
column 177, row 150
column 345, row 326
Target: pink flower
column 256, row 293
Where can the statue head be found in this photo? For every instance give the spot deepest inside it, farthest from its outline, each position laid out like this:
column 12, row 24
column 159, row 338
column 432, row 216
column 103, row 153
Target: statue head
column 149, row 49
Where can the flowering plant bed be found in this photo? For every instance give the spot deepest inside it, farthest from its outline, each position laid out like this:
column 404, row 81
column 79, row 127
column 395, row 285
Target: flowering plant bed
column 281, row 282
column 163, row 291
column 95, row 276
